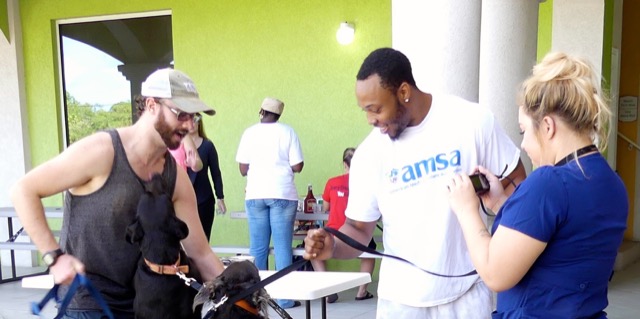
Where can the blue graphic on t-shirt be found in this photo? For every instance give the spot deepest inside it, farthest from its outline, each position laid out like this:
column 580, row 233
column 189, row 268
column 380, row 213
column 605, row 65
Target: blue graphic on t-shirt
column 393, row 176
column 426, row 168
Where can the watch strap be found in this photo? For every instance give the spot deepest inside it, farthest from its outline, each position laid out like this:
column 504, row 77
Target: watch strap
column 51, row 257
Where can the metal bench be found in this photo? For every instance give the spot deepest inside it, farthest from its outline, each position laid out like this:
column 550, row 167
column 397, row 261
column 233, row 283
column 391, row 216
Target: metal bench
column 9, row 213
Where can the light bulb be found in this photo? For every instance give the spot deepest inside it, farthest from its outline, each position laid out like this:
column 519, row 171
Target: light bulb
column 345, row 33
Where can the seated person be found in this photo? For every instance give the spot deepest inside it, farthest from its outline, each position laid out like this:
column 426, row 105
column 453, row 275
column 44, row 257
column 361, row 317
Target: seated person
column 335, row 197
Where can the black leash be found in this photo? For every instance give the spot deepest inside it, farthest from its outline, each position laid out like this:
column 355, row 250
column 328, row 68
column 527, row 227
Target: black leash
column 354, row 244
column 279, row 310
column 191, row 282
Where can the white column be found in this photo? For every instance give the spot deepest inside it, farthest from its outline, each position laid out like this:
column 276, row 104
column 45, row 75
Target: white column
column 507, row 54
column 13, row 116
column 442, row 41
column 136, row 73
column 578, row 29
column 13, row 120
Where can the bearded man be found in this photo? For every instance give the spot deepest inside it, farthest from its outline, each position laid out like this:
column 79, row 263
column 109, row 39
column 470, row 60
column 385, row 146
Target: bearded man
column 102, row 178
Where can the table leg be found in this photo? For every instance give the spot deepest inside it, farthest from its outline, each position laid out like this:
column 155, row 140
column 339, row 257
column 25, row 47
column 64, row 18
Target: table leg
column 8, row 227
column 307, row 305
column 324, row 307
column 12, row 253
column 12, row 257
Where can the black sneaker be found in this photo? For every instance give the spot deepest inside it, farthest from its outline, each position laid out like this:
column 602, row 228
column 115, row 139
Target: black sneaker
column 332, row 298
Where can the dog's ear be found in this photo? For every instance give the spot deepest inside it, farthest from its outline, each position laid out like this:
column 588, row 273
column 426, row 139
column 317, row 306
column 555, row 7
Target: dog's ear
column 134, row 232
column 181, row 229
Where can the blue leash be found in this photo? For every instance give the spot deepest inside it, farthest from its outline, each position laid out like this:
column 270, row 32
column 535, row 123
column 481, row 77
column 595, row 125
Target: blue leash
column 78, row 281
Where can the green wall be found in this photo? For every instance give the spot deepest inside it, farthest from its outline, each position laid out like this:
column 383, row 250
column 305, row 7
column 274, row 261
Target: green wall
column 545, row 24
column 237, row 52
column 4, row 19
column 607, row 44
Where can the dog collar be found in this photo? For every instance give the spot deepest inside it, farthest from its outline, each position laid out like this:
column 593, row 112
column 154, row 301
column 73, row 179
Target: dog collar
column 246, row 306
column 168, row 269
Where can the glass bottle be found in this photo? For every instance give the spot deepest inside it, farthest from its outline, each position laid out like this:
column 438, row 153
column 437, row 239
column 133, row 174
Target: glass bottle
column 309, row 201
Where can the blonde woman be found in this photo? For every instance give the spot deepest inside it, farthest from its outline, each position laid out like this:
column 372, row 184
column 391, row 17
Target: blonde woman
column 207, row 157
column 555, row 239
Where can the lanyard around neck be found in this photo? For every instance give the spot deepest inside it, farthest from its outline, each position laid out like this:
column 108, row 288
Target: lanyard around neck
column 576, row 154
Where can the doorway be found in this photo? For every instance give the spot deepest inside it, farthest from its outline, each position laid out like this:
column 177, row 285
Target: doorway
column 103, row 62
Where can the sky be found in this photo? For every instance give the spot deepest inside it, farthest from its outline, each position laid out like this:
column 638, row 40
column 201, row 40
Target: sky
column 92, row 76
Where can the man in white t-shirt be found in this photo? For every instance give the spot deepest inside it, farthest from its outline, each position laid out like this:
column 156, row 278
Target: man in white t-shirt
column 399, row 173
column 269, row 154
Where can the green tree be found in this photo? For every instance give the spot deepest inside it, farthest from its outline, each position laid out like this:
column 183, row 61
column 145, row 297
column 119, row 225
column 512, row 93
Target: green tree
column 84, row 119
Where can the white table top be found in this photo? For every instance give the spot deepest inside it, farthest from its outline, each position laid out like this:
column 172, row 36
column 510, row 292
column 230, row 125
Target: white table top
column 309, row 285
column 50, row 212
column 298, row 285
column 299, row 216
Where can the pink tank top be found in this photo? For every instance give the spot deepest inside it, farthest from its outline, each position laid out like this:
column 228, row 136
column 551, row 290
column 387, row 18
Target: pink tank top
column 180, row 156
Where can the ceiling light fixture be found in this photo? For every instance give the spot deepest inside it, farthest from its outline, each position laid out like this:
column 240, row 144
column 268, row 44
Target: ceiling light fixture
column 345, row 33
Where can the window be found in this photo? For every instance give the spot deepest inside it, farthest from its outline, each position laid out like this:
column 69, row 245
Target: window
column 103, row 62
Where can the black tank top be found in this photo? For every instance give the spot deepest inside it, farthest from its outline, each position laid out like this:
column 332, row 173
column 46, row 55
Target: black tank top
column 94, row 227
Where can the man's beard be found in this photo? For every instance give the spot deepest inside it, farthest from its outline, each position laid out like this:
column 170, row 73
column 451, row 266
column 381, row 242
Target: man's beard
column 401, row 121
column 166, row 133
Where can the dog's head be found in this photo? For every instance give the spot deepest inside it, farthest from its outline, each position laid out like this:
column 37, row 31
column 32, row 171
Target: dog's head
column 236, row 278
column 156, row 228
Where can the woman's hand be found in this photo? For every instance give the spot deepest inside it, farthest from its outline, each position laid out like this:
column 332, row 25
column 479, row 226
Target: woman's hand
column 462, row 196
column 222, row 208
column 495, row 197
column 192, row 159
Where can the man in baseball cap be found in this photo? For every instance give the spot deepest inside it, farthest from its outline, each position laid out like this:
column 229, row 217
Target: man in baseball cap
column 175, row 91
column 272, row 105
column 102, row 177
column 177, row 86
column 268, row 155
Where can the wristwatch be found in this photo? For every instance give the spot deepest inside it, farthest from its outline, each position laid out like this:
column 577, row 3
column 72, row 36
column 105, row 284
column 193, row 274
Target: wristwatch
column 51, row 257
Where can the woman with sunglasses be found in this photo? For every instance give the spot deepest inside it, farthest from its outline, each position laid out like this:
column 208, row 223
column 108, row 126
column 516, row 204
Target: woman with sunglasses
column 555, row 239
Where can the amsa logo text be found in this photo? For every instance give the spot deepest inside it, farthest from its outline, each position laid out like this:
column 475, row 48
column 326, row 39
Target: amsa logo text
column 425, row 168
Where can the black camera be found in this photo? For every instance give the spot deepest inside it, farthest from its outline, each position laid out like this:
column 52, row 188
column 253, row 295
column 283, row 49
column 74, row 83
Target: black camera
column 480, row 183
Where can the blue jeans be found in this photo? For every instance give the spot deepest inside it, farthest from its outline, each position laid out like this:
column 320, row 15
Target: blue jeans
column 267, row 218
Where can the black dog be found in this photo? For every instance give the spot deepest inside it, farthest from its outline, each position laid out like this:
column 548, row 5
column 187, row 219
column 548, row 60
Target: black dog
column 160, row 293
column 236, row 278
